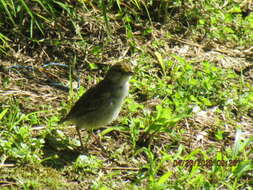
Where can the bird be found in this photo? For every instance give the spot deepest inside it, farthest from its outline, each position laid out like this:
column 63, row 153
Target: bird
column 101, row 104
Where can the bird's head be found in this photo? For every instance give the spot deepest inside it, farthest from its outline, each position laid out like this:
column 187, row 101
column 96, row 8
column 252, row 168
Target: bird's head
column 119, row 73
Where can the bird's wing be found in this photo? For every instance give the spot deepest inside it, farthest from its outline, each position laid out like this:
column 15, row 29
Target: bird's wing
column 90, row 101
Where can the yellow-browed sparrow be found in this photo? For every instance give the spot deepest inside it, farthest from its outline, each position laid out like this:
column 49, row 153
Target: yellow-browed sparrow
column 101, row 104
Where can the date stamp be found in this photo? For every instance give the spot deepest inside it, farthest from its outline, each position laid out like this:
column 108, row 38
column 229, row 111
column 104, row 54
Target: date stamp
column 206, row 163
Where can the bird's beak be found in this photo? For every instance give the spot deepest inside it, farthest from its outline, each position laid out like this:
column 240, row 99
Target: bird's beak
column 130, row 73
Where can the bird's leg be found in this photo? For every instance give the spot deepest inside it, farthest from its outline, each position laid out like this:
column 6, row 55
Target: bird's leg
column 98, row 140
column 80, row 138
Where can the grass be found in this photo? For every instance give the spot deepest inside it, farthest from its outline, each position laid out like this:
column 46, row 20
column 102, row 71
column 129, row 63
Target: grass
column 186, row 124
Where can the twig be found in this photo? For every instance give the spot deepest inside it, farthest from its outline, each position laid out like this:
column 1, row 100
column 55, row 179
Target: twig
column 6, row 165
column 121, row 168
column 6, row 183
column 237, row 53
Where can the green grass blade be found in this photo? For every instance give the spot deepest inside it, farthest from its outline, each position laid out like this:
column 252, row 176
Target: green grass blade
column 2, row 114
column 27, row 8
column 3, row 2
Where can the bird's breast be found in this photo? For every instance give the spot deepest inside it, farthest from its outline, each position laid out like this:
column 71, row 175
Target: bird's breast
column 107, row 111
column 121, row 91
